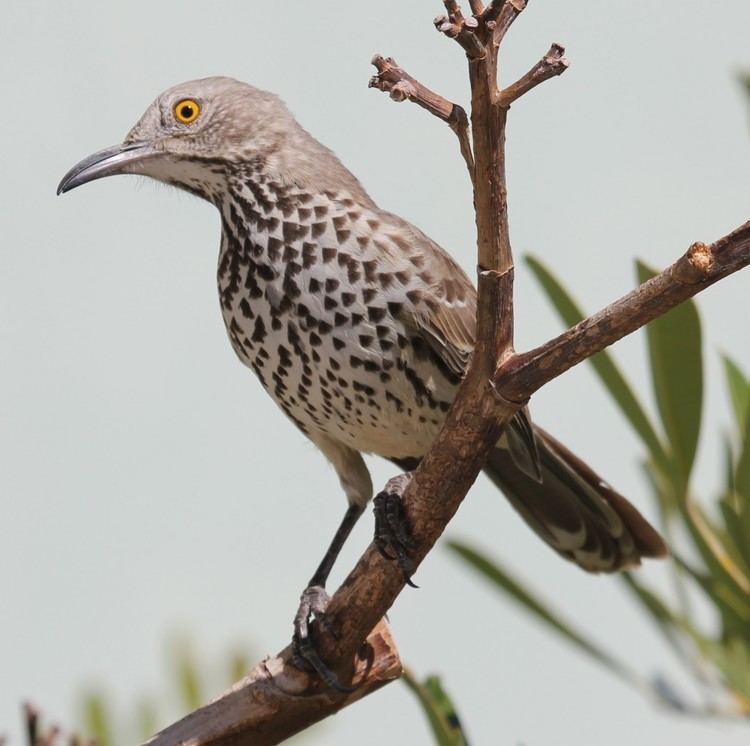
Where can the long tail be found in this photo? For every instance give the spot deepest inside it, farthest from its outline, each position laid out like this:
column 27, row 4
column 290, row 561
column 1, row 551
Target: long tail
column 573, row 509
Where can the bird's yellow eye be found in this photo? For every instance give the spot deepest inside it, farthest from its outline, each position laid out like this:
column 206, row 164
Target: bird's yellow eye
column 187, row 110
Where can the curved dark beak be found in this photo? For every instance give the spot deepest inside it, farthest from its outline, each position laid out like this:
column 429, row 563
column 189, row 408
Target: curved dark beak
column 119, row 159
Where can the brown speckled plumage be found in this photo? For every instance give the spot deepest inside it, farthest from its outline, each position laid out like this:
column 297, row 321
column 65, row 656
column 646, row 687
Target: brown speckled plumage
column 357, row 324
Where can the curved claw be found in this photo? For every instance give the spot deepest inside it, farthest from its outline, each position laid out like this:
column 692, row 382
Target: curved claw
column 312, row 604
column 391, row 532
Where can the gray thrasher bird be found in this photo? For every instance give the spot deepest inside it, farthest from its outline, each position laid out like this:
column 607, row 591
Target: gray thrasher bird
column 356, row 323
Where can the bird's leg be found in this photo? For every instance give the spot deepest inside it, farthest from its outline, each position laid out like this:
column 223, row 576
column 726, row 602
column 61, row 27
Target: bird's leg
column 313, row 602
column 391, row 526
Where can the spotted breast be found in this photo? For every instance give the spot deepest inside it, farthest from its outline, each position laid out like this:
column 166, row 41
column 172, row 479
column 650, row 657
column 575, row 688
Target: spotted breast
column 317, row 293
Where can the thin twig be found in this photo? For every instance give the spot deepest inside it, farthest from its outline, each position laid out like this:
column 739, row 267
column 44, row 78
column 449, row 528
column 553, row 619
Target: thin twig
column 31, row 719
column 454, row 10
column 463, row 30
column 276, row 700
column 500, row 15
column 553, row 63
column 401, row 86
column 700, row 267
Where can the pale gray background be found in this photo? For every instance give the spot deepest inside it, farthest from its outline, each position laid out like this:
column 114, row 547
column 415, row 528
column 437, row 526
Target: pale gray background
column 148, row 485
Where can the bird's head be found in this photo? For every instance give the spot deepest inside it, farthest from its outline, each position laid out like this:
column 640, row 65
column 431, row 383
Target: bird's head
column 192, row 133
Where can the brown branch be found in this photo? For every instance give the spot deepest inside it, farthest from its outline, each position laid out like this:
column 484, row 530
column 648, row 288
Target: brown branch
column 251, row 709
column 553, row 63
column 500, row 15
column 401, row 86
column 38, row 734
column 463, row 30
column 699, row 268
column 276, row 700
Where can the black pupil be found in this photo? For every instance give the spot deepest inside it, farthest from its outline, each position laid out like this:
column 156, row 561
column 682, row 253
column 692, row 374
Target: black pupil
column 186, row 111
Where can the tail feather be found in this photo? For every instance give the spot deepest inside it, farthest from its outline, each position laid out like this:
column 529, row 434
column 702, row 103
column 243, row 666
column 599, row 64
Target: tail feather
column 573, row 509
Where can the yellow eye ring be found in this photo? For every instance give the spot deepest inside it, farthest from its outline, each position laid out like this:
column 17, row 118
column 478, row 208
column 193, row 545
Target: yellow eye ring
column 187, row 110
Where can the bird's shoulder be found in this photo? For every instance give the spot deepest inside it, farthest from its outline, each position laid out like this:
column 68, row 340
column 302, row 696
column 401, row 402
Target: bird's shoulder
column 442, row 307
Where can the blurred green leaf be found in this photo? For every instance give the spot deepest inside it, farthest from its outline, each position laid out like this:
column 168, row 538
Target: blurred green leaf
column 742, row 473
column 745, row 80
column 732, row 607
column 732, row 658
column 668, row 621
column 674, row 627
column 734, row 512
column 97, row 719
column 739, row 391
column 725, row 572
column 239, row 666
column 603, row 363
column 500, row 577
column 736, row 505
column 674, row 342
column 148, row 721
column 188, row 679
column 439, row 709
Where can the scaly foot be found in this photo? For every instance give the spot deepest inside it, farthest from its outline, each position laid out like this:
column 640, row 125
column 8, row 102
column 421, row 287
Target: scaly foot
column 392, row 528
column 312, row 605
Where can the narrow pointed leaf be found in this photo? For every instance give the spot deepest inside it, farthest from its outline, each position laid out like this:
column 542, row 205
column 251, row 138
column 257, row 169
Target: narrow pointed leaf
column 97, row 719
column 239, row 665
column 733, row 609
column 731, row 509
column 188, row 679
column 661, row 614
column 711, row 545
column 742, row 473
column 675, row 627
column 603, row 362
column 732, row 657
column 671, row 623
column 439, row 710
column 674, row 342
column 739, row 392
column 501, row 578
column 745, row 81
column 148, row 722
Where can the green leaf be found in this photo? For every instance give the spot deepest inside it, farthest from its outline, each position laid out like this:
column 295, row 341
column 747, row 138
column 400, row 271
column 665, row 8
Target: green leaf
column 603, row 363
column 675, row 628
column 745, row 81
column 672, row 624
column 732, row 607
column 732, row 657
column 239, row 665
column 738, row 488
column 188, row 679
column 148, row 722
column 711, row 543
column 674, row 342
column 742, row 473
column 669, row 622
column 500, row 577
column 97, row 719
column 739, row 392
column 439, row 709
column 733, row 511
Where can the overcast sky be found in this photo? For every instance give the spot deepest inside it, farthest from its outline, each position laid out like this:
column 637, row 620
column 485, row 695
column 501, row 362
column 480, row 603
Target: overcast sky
column 148, row 487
